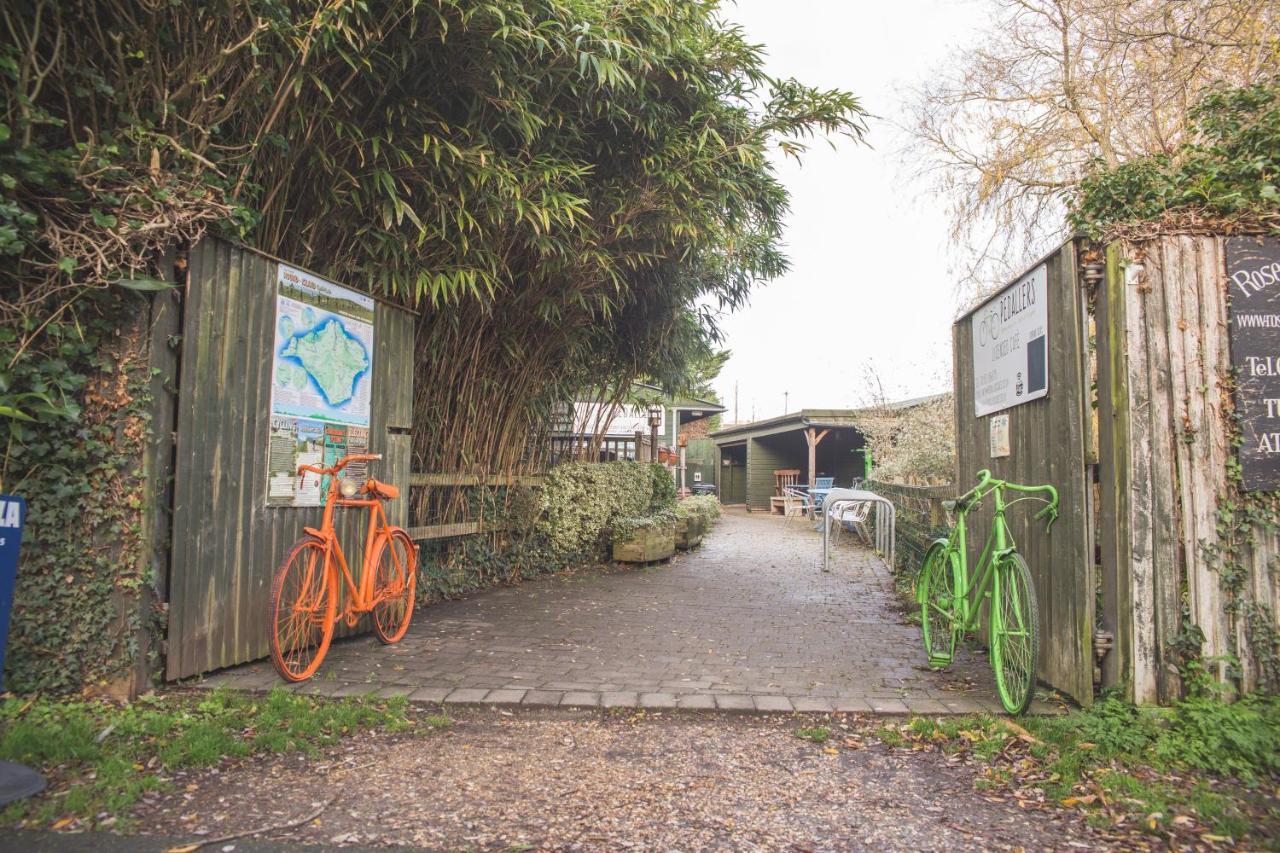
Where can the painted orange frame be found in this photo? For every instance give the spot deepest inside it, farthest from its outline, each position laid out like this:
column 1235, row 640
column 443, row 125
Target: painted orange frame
column 360, row 598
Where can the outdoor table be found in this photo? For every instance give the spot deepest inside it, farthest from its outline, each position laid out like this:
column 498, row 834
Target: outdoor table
column 819, row 497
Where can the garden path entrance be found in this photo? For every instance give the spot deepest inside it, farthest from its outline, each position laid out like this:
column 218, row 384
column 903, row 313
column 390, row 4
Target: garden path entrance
column 746, row 622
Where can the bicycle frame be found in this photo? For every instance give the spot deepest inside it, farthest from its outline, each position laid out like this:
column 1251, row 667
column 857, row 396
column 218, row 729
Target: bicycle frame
column 999, row 544
column 359, row 595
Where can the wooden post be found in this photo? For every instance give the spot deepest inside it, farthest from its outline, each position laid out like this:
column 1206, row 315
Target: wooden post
column 813, row 437
column 639, row 446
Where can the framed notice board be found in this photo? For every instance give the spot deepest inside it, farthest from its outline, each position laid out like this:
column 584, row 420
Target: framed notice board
column 1253, row 284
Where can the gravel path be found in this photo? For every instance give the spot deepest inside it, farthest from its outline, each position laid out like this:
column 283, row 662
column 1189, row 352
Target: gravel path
column 561, row 779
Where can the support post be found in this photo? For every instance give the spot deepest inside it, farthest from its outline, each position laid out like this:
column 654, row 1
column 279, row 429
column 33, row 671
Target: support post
column 813, row 437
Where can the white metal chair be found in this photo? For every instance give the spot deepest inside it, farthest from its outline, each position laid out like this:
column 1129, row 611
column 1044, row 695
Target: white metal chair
column 796, row 503
column 852, row 515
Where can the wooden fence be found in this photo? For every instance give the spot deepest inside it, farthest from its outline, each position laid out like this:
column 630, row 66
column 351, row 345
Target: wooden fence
column 1178, row 548
column 920, row 519
column 1158, row 559
column 443, row 507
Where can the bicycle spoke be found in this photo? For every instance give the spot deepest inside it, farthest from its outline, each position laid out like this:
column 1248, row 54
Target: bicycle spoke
column 301, row 604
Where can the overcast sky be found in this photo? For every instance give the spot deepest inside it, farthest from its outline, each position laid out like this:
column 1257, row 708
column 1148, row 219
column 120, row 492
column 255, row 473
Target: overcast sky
column 869, row 280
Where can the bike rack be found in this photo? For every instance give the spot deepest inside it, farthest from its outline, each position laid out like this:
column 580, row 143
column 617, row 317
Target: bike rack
column 886, row 521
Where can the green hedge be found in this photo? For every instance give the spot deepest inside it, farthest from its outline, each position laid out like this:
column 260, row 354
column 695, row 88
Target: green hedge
column 704, row 507
column 582, row 502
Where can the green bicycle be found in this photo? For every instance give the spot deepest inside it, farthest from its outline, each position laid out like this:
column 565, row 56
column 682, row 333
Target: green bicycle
column 950, row 603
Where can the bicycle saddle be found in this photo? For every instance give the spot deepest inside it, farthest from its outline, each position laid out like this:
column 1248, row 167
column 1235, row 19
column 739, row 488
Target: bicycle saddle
column 383, row 491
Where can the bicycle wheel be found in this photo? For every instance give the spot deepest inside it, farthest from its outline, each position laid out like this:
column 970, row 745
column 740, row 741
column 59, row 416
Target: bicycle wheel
column 303, row 604
column 1015, row 633
column 939, row 614
column 396, row 565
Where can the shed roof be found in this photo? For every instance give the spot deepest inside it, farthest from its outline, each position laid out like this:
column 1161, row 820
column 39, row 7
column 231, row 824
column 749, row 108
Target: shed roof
column 819, row 418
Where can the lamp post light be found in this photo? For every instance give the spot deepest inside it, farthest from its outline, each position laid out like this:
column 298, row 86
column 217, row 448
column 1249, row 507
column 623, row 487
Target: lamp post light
column 655, row 421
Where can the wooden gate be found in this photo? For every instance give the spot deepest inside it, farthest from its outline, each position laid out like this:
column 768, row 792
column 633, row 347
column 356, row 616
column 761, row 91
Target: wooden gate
column 1180, row 557
column 226, row 541
column 1049, row 442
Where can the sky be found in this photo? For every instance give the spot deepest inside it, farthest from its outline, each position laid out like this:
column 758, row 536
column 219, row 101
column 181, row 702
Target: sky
column 869, row 283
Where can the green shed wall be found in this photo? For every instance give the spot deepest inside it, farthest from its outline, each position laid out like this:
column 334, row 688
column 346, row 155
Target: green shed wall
column 762, row 461
column 700, row 456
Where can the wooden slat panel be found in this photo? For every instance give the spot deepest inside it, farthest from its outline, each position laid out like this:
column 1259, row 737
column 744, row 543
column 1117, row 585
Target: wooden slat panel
column 1141, row 568
column 762, row 461
column 424, row 479
column 226, row 542
column 1113, row 455
column 1177, row 314
column 1047, row 444
column 444, row 531
column 1166, row 612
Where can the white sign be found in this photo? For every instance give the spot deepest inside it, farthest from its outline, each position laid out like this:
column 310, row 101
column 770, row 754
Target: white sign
column 1011, row 345
column 999, row 436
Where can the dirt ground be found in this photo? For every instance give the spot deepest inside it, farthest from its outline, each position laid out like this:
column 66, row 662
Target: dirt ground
column 551, row 779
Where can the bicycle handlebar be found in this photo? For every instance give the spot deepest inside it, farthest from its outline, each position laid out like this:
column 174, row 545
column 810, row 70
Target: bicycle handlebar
column 340, row 464
column 985, row 480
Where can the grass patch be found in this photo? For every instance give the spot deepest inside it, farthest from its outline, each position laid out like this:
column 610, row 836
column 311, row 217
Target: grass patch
column 817, row 734
column 1204, row 769
column 100, row 758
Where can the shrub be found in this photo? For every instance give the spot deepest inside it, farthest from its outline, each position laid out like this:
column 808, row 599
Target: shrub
column 624, row 528
column 664, row 489
column 582, row 502
column 704, row 507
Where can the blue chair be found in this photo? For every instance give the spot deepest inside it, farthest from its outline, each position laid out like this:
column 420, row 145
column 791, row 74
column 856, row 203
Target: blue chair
column 818, row 494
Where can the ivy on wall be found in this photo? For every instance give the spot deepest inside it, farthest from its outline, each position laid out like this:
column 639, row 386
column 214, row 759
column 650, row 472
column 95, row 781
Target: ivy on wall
column 76, row 613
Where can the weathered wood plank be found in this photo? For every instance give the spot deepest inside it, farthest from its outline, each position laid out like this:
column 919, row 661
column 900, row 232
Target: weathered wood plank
column 419, row 478
column 1165, row 564
column 1210, row 283
column 1113, row 452
column 1142, row 569
column 444, row 531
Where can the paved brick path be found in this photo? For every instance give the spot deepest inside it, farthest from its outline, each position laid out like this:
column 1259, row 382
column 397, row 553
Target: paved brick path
column 746, row 622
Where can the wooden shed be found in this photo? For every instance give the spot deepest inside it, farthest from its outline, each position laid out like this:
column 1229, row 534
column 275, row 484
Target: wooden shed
column 750, row 453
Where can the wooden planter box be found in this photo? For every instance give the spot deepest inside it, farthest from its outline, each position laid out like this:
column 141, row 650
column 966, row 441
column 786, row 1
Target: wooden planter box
column 646, row 545
column 689, row 533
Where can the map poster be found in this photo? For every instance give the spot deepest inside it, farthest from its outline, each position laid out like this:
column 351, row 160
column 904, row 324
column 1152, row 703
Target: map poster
column 322, row 368
column 1010, row 345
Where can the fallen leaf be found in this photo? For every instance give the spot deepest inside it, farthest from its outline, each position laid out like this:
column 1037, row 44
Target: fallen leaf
column 1080, row 801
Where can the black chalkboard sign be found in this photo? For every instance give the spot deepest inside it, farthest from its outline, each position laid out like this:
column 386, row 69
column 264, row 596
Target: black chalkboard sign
column 1253, row 282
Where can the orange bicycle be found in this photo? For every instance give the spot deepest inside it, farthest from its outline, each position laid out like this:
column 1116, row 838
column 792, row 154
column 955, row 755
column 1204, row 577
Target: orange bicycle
column 304, row 596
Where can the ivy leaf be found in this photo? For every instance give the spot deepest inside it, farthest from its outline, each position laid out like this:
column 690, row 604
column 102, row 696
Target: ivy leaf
column 67, row 265
column 104, row 220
